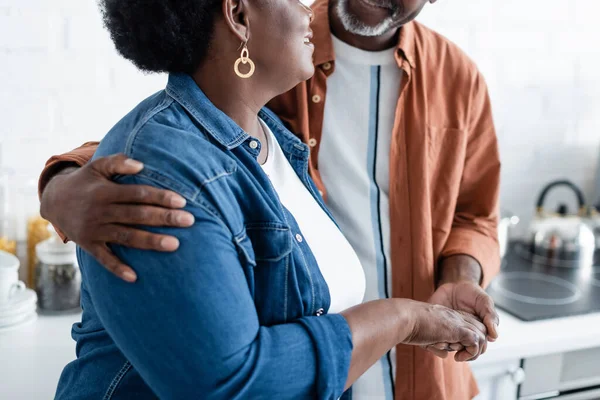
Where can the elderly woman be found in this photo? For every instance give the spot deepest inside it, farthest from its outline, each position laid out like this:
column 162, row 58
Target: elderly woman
column 262, row 297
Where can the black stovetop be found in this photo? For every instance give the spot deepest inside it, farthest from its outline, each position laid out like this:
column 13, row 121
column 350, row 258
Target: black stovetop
column 532, row 290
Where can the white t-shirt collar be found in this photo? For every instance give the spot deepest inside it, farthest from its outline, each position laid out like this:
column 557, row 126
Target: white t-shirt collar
column 349, row 54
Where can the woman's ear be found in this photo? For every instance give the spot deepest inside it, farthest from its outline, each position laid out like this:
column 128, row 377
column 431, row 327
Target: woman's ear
column 236, row 17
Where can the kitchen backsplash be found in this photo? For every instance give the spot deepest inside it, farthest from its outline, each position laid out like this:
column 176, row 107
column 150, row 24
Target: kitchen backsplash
column 63, row 84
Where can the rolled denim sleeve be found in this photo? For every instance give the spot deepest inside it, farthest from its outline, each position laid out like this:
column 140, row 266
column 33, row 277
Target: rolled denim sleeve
column 189, row 325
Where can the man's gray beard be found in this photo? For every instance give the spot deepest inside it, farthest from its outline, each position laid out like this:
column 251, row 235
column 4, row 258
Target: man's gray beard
column 356, row 27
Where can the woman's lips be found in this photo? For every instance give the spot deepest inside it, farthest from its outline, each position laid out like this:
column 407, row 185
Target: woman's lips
column 308, row 37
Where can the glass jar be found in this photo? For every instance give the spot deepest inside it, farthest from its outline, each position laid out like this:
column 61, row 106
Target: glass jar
column 58, row 278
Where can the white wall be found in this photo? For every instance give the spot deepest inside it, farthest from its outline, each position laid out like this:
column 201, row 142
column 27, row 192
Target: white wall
column 62, row 83
column 541, row 60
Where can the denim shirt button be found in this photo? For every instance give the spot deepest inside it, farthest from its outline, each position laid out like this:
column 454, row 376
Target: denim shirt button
column 253, row 144
column 319, row 312
column 299, row 238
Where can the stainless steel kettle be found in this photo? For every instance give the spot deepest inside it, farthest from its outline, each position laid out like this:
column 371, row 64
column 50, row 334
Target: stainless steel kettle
column 562, row 238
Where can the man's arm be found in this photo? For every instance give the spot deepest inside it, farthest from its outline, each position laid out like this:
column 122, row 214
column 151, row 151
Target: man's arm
column 471, row 257
column 473, row 240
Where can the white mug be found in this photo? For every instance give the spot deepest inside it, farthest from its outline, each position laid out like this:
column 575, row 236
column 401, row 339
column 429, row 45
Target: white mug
column 9, row 277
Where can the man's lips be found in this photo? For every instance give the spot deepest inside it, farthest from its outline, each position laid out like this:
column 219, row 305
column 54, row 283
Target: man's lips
column 376, row 4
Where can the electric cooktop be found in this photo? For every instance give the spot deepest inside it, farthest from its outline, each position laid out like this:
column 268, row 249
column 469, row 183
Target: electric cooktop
column 531, row 289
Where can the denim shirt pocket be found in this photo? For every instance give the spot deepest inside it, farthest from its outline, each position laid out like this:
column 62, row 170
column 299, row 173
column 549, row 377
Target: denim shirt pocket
column 266, row 242
column 267, row 248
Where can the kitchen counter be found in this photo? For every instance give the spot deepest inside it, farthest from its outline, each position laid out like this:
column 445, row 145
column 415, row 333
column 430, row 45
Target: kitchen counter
column 32, row 357
column 520, row 339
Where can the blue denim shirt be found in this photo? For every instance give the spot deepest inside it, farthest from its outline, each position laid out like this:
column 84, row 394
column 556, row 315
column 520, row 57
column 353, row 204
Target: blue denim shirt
column 235, row 312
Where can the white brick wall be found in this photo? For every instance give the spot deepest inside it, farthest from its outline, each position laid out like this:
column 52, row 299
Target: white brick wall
column 62, row 83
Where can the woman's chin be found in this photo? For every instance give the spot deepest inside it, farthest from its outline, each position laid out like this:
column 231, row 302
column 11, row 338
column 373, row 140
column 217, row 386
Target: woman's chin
column 304, row 71
column 308, row 71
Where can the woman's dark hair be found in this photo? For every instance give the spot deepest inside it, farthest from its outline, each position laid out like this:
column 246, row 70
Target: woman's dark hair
column 161, row 35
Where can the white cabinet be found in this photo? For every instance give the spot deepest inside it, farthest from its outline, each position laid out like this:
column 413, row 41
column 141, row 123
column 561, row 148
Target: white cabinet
column 498, row 381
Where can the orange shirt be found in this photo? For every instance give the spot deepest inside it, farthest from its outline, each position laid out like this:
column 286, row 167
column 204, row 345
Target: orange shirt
column 444, row 178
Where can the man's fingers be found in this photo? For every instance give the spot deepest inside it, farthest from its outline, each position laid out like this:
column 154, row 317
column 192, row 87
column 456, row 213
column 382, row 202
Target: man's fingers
column 118, row 164
column 142, row 194
column 138, row 239
column 149, row 215
column 104, row 256
column 486, row 311
column 491, row 324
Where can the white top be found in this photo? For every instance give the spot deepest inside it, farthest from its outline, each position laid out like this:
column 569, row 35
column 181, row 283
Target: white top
column 337, row 261
column 362, row 95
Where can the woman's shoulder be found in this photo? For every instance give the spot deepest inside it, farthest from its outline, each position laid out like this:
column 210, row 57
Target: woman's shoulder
column 175, row 151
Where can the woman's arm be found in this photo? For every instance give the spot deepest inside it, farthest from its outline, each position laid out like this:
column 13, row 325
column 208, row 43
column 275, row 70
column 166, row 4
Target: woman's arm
column 190, row 328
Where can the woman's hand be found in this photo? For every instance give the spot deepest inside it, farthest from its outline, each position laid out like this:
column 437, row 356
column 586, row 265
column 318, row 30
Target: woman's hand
column 443, row 329
column 92, row 210
column 379, row 325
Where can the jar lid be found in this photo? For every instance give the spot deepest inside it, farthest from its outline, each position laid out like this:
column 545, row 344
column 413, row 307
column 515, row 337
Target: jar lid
column 53, row 251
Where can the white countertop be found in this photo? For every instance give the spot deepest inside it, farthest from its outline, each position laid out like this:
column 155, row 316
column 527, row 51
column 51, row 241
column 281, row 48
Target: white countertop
column 520, row 339
column 32, row 357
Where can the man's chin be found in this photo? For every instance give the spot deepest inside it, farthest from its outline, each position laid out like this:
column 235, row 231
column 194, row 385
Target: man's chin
column 372, row 31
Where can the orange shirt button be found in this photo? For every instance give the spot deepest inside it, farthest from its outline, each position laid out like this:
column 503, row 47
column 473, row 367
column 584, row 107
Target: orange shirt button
column 312, row 142
column 316, row 98
column 327, row 66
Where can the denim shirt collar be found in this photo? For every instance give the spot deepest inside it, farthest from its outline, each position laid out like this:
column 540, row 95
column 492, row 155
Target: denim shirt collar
column 184, row 90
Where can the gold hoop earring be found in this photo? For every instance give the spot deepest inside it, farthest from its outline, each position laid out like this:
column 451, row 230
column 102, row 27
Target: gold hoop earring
column 244, row 59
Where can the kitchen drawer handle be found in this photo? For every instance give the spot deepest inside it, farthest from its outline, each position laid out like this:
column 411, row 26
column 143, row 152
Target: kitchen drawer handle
column 517, row 375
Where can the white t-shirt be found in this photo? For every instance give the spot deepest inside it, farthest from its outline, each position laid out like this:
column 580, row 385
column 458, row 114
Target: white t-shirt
column 337, row 260
column 362, row 94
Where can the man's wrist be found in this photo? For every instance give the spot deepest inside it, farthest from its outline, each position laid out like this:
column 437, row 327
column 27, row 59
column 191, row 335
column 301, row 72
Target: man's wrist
column 47, row 190
column 459, row 268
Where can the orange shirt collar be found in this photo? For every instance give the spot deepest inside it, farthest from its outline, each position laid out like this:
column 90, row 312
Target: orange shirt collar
column 324, row 45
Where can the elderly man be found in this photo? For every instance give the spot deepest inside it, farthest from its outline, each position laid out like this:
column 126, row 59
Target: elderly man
column 404, row 151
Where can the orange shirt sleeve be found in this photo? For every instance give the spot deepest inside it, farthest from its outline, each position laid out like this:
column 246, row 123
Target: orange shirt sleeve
column 80, row 156
column 475, row 225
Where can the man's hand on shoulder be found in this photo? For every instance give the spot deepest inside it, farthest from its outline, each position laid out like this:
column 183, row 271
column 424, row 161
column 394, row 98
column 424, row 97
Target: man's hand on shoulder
column 92, row 210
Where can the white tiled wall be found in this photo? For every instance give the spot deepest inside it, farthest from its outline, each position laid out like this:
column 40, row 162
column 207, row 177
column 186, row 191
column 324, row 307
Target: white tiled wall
column 61, row 83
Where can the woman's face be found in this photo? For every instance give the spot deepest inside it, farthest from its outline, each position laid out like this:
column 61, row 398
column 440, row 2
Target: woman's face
column 280, row 41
